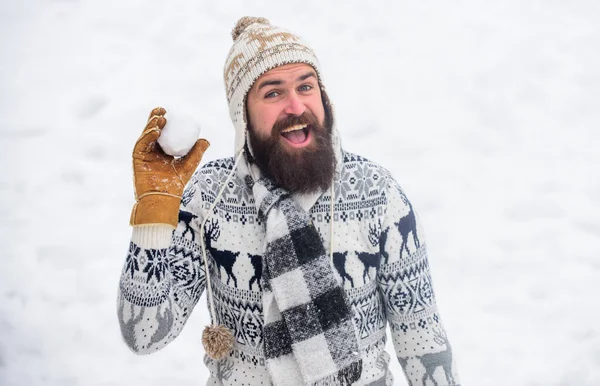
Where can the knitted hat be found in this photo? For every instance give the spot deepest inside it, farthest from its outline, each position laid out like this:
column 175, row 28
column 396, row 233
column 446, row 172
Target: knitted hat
column 257, row 48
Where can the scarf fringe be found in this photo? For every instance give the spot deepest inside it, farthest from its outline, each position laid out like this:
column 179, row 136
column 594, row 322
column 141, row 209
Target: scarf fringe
column 344, row 377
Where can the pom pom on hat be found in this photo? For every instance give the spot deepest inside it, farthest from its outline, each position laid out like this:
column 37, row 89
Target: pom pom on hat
column 244, row 22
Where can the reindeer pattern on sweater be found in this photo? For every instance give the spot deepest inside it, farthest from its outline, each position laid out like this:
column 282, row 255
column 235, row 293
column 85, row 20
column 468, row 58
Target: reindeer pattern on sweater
column 379, row 255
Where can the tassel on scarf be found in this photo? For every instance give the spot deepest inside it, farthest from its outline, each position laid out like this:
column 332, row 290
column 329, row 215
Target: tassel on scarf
column 350, row 374
column 344, row 377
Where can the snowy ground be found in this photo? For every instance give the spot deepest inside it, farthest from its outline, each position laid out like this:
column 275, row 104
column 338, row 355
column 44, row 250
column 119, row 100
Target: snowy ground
column 487, row 113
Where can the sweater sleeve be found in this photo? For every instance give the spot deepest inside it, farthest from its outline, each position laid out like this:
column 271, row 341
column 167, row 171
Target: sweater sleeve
column 420, row 341
column 162, row 280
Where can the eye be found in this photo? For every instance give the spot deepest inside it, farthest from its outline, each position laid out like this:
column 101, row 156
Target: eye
column 305, row 87
column 272, row 94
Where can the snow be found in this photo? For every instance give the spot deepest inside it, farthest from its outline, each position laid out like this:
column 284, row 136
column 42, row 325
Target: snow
column 486, row 112
column 179, row 134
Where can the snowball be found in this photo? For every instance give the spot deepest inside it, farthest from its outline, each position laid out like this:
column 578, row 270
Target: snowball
column 179, row 134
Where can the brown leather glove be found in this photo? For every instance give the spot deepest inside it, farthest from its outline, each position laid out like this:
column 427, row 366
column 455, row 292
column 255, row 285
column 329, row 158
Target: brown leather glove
column 159, row 178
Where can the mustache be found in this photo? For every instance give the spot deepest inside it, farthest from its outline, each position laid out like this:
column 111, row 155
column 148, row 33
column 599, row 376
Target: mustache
column 307, row 118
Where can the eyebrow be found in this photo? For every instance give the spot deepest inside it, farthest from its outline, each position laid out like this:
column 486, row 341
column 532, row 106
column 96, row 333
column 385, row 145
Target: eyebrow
column 276, row 82
column 307, row 75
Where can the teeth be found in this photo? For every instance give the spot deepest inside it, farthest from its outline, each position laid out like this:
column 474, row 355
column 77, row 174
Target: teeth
column 293, row 128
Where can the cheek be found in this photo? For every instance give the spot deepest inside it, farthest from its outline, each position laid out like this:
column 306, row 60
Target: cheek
column 318, row 110
column 267, row 119
column 262, row 121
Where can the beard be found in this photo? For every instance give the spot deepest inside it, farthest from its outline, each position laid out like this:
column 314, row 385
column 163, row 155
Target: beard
column 302, row 170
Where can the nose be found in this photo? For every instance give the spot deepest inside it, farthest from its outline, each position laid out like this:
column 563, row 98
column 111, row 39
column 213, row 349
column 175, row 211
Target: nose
column 294, row 105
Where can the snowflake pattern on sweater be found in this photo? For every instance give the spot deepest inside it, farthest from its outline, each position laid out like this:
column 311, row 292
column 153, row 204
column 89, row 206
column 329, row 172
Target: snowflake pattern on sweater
column 379, row 257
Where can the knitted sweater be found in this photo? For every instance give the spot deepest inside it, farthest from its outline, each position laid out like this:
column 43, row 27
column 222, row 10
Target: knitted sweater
column 379, row 257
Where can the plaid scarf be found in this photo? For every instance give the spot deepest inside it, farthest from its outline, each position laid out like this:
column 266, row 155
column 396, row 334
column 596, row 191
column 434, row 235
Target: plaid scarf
column 309, row 336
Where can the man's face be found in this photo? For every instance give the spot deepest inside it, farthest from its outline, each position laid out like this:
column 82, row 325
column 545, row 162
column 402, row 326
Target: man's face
column 286, row 126
column 291, row 89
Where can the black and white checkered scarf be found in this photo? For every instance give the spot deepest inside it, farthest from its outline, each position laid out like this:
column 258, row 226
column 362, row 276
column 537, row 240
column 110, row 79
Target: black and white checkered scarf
column 309, row 336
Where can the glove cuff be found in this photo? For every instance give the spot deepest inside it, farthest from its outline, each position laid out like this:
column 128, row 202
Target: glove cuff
column 156, row 208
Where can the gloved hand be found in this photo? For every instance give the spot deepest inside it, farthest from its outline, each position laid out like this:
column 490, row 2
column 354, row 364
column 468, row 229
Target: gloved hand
column 158, row 178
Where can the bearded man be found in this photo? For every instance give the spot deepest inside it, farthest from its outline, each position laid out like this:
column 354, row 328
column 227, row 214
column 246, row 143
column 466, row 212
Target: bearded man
column 306, row 251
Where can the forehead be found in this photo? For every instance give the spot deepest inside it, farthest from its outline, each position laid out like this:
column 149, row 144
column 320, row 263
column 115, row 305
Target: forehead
column 292, row 70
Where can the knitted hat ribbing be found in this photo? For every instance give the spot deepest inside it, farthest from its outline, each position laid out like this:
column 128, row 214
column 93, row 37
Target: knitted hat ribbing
column 257, row 48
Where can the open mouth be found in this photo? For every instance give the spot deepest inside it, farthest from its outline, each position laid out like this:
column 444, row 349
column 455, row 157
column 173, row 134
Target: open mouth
column 297, row 135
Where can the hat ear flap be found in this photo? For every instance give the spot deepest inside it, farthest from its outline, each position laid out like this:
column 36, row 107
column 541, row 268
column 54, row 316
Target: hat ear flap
column 328, row 108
